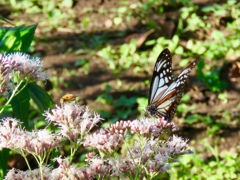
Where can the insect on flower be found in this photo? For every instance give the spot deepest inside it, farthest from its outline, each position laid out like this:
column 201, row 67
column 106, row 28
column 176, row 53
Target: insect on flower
column 165, row 92
column 67, row 98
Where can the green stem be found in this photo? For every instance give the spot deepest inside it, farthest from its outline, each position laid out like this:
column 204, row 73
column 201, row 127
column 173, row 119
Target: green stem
column 73, row 151
column 14, row 93
column 40, row 162
column 22, row 88
column 26, row 160
column 41, row 170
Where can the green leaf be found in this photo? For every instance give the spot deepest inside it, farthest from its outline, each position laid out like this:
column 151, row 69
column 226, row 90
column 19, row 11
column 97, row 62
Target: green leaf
column 27, row 34
column 20, row 105
column 124, row 101
column 17, row 38
column 80, row 62
column 5, row 20
column 184, row 62
column 179, row 50
column 4, row 155
column 122, row 10
column 117, row 20
column 66, row 3
column 10, row 41
column 216, row 34
column 193, row 118
column 3, row 31
column 40, row 97
column 104, row 98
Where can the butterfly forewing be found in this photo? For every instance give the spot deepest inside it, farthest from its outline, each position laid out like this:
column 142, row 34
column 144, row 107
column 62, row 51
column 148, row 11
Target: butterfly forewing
column 165, row 93
column 162, row 76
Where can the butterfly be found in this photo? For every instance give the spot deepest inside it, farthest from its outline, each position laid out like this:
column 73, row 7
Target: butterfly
column 165, row 92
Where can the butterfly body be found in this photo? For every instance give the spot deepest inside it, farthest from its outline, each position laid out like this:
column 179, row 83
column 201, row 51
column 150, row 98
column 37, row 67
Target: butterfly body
column 165, row 91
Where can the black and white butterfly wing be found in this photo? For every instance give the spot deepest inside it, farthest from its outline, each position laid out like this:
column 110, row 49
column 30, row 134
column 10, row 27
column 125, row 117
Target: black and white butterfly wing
column 165, row 92
column 162, row 76
column 174, row 92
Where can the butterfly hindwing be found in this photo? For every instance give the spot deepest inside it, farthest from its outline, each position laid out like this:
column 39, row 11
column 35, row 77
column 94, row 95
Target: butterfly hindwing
column 165, row 92
column 177, row 87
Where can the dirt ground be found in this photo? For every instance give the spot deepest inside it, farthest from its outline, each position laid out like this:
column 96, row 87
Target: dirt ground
column 52, row 48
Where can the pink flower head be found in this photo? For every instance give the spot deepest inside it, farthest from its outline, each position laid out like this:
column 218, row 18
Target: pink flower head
column 41, row 141
column 25, row 66
column 104, row 141
column 29, row 174
column 12, row 136
column 5, row 76
column 151, row 128
column 74, row 120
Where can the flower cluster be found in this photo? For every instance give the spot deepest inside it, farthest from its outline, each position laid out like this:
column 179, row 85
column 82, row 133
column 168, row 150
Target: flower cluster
column 144, row 156
column 12, row 136
column 104, row 141
column 145, row 127
column 154, row 156
column 29, row 174
column 67, row 171
column 5, row 76
column 64, row 171
column 111, row 139
column 150, row 156
column 20, row 65
column 74, row 120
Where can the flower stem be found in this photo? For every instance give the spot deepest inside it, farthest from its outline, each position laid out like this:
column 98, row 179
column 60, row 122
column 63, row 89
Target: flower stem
column 14, row 93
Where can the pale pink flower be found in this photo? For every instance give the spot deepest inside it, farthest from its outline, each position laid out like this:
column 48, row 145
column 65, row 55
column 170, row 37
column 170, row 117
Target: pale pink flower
column 111, row 138
column 154, row 155
column 99, row 168
column 15, row 174
column 67, row 171
column 147, row 158
column 17, row 66
column 151, row 128
column 74, row 120
column 123, row 167
column 104, row 141
column 27, row 67
column 119, row 127
column 41, row 141
column 12, row 136
column 178, row 145
column 5, row 77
